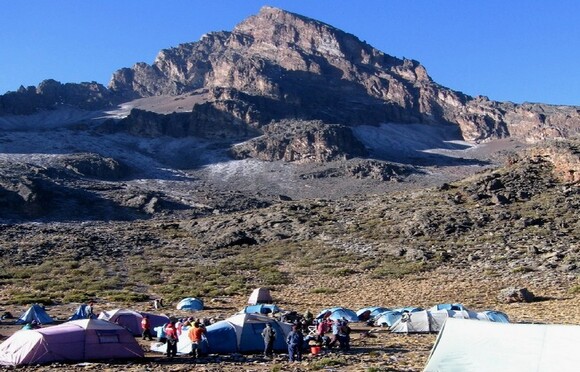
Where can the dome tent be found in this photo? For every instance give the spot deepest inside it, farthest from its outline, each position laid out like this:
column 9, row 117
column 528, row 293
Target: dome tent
column 447, row 307
column 370, row 312
column 127, row 318
column 82, row 312
column 131, row 320
column 35, row 313
column 390, row 317
column 337, row 313
column 78, row 340
column 261, row 309
column 241, row 333
column 190, row 304
column 429, row 321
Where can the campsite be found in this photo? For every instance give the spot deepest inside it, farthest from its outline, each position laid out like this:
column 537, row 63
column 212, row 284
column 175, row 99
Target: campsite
column 373, row 348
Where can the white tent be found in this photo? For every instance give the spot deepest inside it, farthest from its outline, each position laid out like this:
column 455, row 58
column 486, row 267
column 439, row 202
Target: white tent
column 464, row 345
column 260, row 296
column 429, row 321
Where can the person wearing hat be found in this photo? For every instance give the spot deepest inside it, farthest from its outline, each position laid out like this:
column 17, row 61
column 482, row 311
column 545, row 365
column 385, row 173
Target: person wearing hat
column 269, row 336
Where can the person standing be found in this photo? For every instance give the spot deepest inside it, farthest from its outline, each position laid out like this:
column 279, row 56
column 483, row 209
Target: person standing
column 335, row 330
column 90, row 310
column 146, row 326
column 195, row 335
column 295, row 340
column 172, row 338
column 269, row 336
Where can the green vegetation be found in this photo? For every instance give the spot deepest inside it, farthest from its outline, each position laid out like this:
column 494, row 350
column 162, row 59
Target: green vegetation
column 327, row 362
column 396, row 268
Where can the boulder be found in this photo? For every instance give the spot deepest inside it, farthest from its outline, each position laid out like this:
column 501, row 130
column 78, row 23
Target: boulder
column 514, row 294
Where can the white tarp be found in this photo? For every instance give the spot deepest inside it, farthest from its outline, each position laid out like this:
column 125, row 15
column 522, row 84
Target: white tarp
column 468, row 345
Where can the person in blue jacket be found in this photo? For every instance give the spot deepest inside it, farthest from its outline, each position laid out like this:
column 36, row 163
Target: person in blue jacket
column 295, row 339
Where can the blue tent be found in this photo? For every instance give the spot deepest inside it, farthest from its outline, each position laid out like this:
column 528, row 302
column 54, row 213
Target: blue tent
column 82, row 312
column 367, row 313
column 36, row 313
column 191, row 304
column 241, row 333
column 336, row 313
column 388, row 318
column 496, row 316
column 261, row 309
column 457, row 307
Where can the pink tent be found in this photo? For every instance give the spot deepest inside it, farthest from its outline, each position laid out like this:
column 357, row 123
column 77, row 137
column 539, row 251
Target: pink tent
column 78, row 340
column 132, row 319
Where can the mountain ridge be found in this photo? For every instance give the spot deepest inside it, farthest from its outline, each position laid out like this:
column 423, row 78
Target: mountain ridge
column 278, row 65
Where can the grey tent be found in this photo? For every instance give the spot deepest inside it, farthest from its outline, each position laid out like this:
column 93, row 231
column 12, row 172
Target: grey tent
column 468, row 345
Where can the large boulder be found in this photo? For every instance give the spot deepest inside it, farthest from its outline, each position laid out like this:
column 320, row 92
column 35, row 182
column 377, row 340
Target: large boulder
column 514, row 294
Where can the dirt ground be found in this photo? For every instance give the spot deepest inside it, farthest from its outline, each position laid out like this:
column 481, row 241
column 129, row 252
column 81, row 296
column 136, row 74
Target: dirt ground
column 379, row 351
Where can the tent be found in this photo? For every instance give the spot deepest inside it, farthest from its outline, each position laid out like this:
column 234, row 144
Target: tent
column 77, row 340
column 36, row 313
column 82, row 312
column 241, row 333
column 336, row 313
column 493, row 316
column 190, row 304
column 261, row 309
column 464, row 345
column 428, row 321
column 390, row 317
column 156, row 320
column 260, row 296
column 447, row 307
column 367, row 313
column 127, row 318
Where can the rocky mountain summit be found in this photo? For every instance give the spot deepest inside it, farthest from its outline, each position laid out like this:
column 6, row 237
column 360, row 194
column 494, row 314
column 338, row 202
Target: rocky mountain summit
column 277, row 65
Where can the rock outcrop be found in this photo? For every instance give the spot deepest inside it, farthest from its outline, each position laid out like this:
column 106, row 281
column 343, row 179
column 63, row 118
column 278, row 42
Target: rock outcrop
column 300, row 142
column 51, row 93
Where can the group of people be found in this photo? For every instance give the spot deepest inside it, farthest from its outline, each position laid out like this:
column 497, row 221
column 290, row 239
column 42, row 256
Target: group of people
column 329, row 333
column 170, row 332
column 296, row 341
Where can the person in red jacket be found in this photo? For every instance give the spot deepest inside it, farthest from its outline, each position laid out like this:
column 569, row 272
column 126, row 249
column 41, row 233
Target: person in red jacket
column 172, row 338
column 146, row 326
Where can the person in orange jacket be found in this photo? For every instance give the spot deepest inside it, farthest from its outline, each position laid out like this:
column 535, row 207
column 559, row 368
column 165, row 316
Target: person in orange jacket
column 195, row 334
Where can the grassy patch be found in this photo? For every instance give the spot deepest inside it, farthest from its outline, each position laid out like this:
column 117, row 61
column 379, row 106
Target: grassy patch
column 395, row 268
column 324, row 290
column 327, row 362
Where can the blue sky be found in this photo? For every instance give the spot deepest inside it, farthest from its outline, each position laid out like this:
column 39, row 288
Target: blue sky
column 508, row 50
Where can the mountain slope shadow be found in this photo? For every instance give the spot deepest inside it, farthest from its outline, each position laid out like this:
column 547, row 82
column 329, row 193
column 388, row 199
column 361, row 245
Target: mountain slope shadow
column 36, row 198
column 417, row 144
